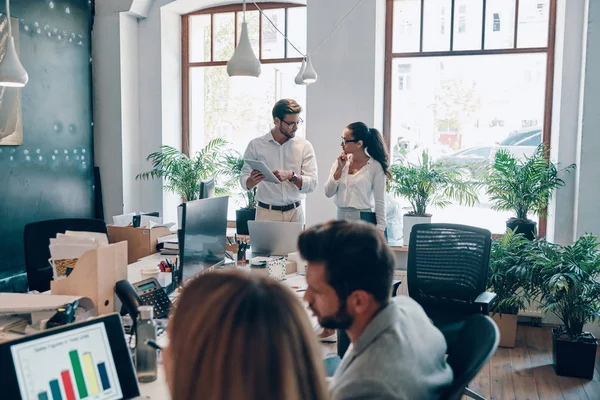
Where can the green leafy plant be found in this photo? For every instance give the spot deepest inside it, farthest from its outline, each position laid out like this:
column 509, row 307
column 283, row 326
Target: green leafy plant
column 428, row 183
column 566, row 278
column 234, row 163
column 510, row 273
column 523, row 185
column 182, row 175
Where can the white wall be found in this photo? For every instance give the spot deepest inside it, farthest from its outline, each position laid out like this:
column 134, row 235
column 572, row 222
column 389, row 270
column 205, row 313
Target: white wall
column 347, row 89
column 587, row 218
column 130, row 116
column 565, row 114
column 106, row 79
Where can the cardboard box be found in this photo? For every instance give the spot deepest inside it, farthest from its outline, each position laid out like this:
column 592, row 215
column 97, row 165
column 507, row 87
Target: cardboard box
column 141, row 242
column 95, row 275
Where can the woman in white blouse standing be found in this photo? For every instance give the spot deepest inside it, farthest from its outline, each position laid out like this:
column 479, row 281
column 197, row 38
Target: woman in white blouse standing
column 357, row 181
column 358, row 177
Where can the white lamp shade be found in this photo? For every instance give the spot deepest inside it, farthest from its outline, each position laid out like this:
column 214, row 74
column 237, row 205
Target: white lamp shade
column 12, row 73
column 243, row 62
column 299, row 80
column 309, row 75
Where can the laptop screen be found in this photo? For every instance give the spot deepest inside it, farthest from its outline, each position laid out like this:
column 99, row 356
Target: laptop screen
column 80, row 361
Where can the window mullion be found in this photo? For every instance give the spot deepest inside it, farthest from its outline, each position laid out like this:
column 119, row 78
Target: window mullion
column 516, row 22
column 421, row 28
column 483, row 25
column 452, row 25
column 212, row 37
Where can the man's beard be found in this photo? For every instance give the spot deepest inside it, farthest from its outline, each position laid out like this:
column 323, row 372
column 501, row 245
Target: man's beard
column 286, row 134
column 340, row 320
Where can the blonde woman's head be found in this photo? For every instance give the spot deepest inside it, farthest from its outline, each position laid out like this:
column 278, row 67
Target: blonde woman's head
column 234, row 335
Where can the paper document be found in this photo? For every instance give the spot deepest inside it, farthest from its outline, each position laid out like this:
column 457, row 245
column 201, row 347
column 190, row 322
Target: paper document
column 262, row 167
column 23, row 303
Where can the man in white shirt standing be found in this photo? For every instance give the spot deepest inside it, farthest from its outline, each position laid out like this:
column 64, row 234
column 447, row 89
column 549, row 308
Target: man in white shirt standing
column 292, row 160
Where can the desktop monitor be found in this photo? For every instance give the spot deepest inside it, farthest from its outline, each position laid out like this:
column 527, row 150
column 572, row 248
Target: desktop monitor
column 207, row 188
column 83, row 360
column 203, row 235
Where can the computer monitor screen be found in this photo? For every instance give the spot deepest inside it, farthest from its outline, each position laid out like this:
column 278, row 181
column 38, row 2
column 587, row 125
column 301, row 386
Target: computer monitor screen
column 207, row 188
column 78, row 361
column 204, row 235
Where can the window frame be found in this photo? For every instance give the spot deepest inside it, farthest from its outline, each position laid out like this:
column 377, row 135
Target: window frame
column 549, row 49
column 187, row 65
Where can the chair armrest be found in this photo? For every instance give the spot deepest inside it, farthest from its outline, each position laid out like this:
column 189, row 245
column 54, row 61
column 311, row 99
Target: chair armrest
column 395, row 285
column 485, row 301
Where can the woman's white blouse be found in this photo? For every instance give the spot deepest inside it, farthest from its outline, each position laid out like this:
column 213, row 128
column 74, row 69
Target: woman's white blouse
column 363, row 190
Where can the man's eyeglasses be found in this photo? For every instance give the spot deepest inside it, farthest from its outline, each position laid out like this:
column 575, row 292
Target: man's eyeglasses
column 344, row 141
column 293, row 124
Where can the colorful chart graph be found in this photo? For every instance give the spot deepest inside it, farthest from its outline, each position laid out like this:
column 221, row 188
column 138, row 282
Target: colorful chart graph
column 74, row 365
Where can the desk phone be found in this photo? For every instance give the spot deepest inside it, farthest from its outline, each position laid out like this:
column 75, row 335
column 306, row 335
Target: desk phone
column 152, row 294
column 148, row 293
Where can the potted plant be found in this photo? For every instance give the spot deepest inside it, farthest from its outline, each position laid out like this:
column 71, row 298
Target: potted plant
column 182, row 175
column 235, row 162
column 428, row 183
column 567, row 280
column 523, row 185
column 510, row 277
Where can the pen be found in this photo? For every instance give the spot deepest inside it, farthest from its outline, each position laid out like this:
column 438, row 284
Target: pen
column 153, row 344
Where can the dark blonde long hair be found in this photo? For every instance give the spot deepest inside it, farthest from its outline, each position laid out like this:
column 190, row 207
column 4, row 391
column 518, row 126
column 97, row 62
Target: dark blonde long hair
column 238, row 336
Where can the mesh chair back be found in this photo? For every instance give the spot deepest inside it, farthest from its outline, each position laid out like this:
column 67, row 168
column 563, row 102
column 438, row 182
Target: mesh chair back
column 37, row 237
column 476, row 343
column 448, row 265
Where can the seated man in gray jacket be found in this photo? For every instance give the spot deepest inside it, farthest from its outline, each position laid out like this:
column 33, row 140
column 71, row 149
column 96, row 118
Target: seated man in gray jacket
column 396, row 352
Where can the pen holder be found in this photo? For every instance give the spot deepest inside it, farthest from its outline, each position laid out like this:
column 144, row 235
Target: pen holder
column 241, row 256
column 276, row 268
column 232, row 250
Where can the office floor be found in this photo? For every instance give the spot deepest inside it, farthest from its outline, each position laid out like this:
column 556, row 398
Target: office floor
column 526, row 372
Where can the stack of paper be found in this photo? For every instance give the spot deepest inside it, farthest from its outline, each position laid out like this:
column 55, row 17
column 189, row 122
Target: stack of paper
column 66, row 249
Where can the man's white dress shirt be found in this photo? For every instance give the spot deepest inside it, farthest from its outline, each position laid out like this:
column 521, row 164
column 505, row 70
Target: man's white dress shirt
column 296, row 155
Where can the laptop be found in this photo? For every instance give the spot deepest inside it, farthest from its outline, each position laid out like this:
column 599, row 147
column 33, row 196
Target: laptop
column 274, row 238
column 90, row 359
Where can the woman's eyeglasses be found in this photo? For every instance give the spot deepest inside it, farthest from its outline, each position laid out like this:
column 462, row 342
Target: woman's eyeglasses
column 344, row 141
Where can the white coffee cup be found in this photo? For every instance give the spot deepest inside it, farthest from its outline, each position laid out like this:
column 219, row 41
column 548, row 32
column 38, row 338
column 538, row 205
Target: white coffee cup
column 149, row 272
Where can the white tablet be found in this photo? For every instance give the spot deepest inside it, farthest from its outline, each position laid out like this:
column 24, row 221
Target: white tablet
column 262, row 167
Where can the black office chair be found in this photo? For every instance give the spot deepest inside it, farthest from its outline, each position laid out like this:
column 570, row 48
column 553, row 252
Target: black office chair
column 476, row 343
column 447, row 273
column 37, row 237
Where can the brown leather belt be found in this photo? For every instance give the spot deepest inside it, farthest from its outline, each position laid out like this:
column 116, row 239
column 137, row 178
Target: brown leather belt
column 279, row 208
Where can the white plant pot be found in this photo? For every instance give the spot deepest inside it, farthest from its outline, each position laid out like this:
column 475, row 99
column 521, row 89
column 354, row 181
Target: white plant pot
column 408, row 221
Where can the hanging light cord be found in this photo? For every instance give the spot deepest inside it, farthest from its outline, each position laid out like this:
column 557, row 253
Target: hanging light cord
column 321, row 42
column 275, row 26
column 337, row 26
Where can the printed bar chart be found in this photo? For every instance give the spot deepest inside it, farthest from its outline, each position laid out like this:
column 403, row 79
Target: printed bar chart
column 103, row 376
column 74, row 365
column 55, row 389
column 79, row 381
column 90, row 373
column 68, row 385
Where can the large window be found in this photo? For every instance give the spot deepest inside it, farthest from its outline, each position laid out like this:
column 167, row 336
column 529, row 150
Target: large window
column 238, row 109
column 468, row 78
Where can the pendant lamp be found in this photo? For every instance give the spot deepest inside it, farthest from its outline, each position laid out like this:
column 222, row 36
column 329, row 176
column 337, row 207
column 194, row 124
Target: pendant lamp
column 243, row 62
column 310, row 75
column 12, row 73
column 299, row 80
